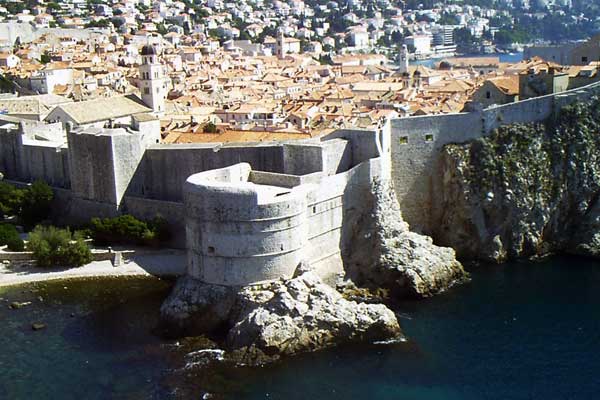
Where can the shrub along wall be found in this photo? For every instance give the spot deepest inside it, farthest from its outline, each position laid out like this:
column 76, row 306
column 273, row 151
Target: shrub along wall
column 126, row 229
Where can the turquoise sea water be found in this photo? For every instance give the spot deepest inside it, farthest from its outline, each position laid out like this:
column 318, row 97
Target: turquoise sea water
column 504, row 58
column 517, row 331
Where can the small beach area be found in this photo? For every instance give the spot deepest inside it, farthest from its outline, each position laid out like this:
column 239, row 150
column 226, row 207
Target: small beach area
column 167, row 263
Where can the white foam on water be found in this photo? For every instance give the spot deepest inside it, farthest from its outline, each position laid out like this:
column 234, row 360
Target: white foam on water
column 392, row 341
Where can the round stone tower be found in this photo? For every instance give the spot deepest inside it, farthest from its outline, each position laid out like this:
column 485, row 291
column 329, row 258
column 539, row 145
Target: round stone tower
column 239, row 232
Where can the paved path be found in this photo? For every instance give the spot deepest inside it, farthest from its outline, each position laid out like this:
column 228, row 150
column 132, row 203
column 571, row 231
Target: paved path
column 170, row 264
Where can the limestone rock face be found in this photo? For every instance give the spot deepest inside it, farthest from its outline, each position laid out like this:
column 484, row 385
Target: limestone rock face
column 385, row 253
column 524, row 191
column 195, row 308
column 265, row 321
column 303, row 314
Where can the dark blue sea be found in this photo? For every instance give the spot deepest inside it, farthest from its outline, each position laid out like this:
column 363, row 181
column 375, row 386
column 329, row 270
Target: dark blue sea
column 516, row 331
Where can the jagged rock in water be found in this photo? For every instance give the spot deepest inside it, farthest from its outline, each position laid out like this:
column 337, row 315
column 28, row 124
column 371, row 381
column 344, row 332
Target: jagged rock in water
column 387, row 254
column 268, row 320
column 195, row 308
column 524, row 191
column 302, row 314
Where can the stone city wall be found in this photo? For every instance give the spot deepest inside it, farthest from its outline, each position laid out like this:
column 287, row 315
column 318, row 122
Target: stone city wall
column 416, row 144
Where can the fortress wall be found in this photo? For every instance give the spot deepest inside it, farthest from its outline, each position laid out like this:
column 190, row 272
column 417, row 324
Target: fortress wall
column 275, row 179
column 165, row 168
column 331, row 205
column 92, row 167
column 11, row 154
column 337, row 156
column 240, row 232
column 302, row 159
column 536, row 109
column 417, row 141
column 51, row 164
column 36, row 130
column 103, row 165
column 127, row 152
column 363, row 143
column 80, row 211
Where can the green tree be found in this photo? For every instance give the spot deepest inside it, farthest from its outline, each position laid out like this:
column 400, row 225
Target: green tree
column 325, row 60
column 36, row 204
column 117, row 22
column 11, row 238
column 126, row 229
column 10, row 199
column 162, row 29
column 53, row 7
column 45, row 58
column 210, row 128
column 53, row 247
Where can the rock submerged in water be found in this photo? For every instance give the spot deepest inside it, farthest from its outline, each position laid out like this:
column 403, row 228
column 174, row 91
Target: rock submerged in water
column 284, row 317
column 387, row 254
column 38, row 326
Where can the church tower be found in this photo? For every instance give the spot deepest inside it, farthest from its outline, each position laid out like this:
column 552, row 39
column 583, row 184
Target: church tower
column 280, row 48
column 403, row 60
column 153, row 84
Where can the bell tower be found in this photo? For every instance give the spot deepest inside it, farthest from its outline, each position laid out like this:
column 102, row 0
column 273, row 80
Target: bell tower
column 403, row 59
column 280, row 47
column 153, row 84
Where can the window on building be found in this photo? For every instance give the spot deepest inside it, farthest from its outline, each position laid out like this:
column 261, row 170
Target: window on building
column 403, row 139
column 584, row 59
column 146, row 90
column 211, row 250
column 488, row 95
column 429, row 137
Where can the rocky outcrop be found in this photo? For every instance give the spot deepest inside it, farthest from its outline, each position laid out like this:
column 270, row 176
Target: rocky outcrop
column 195, row 307
column 525, row 191
column 385, row 253
column 283, row 317
column 300, row 315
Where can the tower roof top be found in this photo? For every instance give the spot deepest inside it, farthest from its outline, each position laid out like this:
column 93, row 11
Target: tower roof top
column 148, row 50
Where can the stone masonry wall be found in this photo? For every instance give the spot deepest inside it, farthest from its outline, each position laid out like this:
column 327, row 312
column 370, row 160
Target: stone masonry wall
column 416, row 143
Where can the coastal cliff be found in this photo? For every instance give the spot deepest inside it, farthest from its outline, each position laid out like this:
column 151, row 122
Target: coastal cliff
column 386, row 254
column 524, row 191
